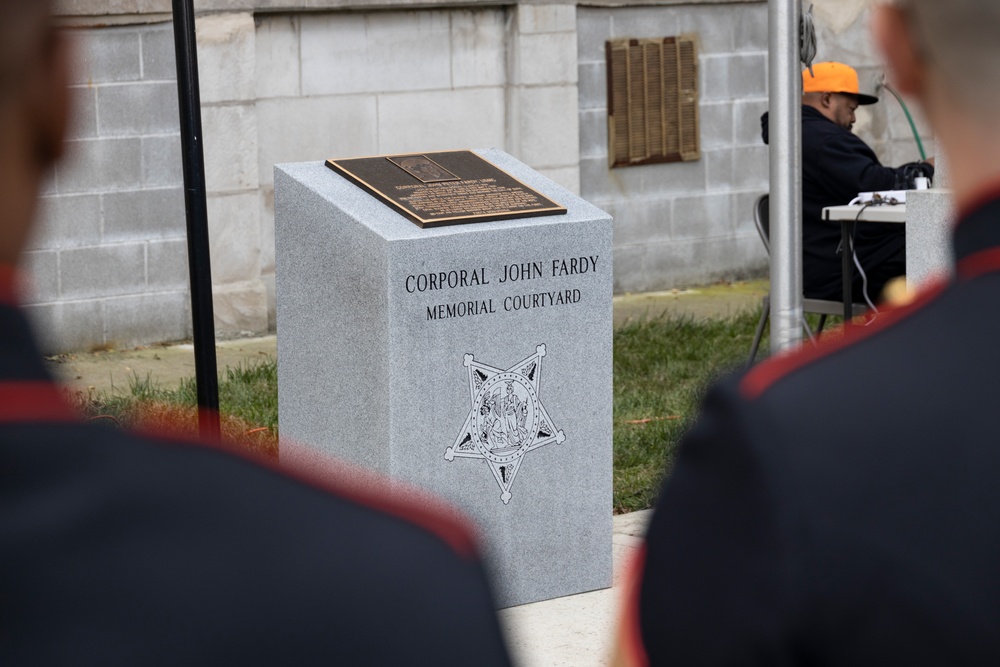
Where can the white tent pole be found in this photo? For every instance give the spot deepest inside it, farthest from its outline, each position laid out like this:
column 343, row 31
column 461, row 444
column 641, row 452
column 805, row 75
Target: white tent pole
column 785, row 84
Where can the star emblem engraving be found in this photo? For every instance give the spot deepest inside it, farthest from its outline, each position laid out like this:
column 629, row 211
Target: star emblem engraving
column 507, row 420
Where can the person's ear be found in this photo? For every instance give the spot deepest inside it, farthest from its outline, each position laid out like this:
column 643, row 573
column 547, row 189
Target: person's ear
column 826, row 100
column 894, row 37
column 49, row 99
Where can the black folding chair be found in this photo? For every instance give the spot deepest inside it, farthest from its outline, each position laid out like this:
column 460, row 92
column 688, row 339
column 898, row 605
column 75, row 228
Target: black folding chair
column 821, row 307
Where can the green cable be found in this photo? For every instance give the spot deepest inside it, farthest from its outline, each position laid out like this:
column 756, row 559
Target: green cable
column 913, row 126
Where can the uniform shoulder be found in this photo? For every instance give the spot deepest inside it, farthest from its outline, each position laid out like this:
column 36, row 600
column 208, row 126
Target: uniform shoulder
column 303, row 484
column 840, row 345
column 190, row 536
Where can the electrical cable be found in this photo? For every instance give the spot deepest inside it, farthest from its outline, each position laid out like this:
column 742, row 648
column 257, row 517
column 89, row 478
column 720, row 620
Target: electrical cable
column 864, row 280
column 909, row 117
column 857, row 262
column 853, row 202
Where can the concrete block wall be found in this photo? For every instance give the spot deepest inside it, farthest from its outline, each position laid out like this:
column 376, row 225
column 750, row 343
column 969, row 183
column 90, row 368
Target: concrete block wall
column 843, row 34
column 308, row 85
column 275, row 88
column 353, row 84
column 684, row 223
column 107, row 264
column 542, row 95
column 227, row 51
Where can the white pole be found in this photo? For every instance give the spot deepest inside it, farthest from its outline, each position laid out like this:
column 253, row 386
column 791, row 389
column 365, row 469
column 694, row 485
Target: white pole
column 785, row 83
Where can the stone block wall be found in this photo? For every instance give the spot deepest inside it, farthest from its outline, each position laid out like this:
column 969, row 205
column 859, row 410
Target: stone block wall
column 288, row 81
column 353, row 84
column 107, row 264
column 683, row 223
column 275, row 88
column 239, row 238
column 344, row 85
column 542, row 93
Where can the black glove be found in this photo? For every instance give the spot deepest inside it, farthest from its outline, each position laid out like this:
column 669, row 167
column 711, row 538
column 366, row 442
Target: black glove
column 907, row 175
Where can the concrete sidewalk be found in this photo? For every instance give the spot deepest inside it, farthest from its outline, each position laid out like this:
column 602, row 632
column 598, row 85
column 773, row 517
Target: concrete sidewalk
column 575, row 631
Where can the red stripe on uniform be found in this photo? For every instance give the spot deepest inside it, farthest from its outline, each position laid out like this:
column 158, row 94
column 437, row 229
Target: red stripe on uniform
column 980, row 263
column 363, row 487
column 391, row 497
column 8, row 285
column 984, row 196
column 23, row 402
column 632, row 646
column 28, row 402
column 760, row 379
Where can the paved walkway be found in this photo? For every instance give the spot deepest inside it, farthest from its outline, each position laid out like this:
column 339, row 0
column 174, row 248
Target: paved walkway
column 574, row 631
column 110, row 370
column 702, row 302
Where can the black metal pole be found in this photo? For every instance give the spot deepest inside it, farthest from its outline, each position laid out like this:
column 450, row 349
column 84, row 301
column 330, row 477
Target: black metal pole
column 196, row 205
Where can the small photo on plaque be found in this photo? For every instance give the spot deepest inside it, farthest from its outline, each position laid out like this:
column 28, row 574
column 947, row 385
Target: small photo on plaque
column 423, row 168
column 445, row 188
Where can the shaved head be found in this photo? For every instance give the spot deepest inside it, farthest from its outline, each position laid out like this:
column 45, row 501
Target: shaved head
column 959, row 39
column 22, row 33
column 34, row 108
column 946, row 54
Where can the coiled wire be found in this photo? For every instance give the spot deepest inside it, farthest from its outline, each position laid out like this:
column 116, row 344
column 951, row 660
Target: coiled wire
column 807, row 37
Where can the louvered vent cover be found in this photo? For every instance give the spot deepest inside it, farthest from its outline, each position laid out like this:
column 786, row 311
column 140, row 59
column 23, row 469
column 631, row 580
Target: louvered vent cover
column 652, row 100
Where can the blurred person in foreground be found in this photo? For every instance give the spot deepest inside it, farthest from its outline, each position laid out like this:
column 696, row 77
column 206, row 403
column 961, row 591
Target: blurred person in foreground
column 839, row 505
column 117, row 550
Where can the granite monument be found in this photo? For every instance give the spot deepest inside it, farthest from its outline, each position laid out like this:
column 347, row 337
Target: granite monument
column 473, row 361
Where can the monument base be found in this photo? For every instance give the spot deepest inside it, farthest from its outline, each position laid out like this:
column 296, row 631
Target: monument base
column 929, row 220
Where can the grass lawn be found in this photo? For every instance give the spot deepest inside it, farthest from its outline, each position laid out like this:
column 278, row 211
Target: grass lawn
column 248, row 402
column 662, row 366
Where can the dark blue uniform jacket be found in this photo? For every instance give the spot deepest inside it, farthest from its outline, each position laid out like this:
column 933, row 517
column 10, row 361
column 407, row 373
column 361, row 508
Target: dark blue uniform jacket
column 840, row 505
column 120, row 550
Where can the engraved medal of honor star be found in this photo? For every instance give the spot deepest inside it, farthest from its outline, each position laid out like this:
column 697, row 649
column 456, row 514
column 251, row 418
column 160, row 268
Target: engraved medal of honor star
column 507, row 419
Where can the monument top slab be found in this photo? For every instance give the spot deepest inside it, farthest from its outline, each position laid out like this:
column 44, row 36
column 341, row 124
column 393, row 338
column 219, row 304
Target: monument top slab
column 391, row 225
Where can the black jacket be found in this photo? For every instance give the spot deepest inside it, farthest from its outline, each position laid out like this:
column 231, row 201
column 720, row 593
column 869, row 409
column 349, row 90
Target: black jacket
column 840, row 505
column 118, row 550
column 836, row 166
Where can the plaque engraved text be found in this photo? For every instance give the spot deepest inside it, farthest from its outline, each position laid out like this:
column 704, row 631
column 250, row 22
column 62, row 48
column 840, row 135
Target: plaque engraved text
column 446, row 188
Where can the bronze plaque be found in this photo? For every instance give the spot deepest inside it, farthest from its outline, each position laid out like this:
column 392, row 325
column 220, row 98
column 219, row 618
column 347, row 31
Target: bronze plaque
column 445, row 188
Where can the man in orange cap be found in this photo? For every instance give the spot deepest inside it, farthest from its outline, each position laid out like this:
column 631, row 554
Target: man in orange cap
column 836, row 166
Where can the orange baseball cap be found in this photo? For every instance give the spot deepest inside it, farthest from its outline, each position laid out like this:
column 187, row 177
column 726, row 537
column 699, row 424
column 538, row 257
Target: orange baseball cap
column 834, row 78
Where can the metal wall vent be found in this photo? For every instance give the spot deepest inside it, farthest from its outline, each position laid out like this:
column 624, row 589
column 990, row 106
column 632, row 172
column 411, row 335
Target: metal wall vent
column 652, row 100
